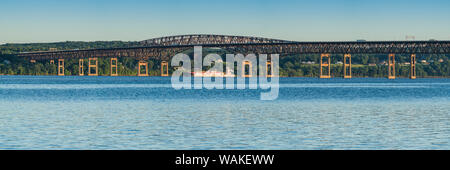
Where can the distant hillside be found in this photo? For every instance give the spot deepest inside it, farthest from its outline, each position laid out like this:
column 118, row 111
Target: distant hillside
column 304, row 65
column 68, row 45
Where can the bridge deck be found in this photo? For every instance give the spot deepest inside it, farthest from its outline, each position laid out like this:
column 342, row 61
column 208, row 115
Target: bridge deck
column 338, row 47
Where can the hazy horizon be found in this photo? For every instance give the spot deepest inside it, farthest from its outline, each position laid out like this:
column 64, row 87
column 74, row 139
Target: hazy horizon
column 214, row 34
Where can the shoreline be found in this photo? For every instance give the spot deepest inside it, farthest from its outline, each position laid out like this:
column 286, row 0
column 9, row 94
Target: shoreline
column 402, row 77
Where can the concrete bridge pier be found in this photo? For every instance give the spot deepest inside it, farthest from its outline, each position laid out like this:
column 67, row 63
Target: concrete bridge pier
column 81, row 67
column 164, row 69
column 391, row 66
column 143, row 64
column 60, row 67
column 93, row 67
column 413, row 67
column 347, row 66
column 327, row 65
column 244, row 64
column 269, row 69
column 113, row 63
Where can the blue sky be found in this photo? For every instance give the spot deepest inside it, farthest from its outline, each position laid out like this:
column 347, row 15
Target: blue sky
column 24, row 21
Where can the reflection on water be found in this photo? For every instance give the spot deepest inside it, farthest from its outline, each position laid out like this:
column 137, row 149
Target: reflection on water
column 46, row 112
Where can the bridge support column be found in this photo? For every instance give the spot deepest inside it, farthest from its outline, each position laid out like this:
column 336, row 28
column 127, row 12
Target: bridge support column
column 81, row 67
column 60, row 67
column 244, row 64
column 269, row 69
column 347, row 66
column 143, row 64
column 93, row 67
column 327, row 65
column 413, row 67
column 391, row 66
column 52, row 61
column 164, row 69
column 113, row 63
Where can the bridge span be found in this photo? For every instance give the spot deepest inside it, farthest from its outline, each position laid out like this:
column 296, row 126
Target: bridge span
column 165, row 47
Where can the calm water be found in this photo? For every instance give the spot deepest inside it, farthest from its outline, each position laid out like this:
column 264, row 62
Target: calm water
column 49, row 112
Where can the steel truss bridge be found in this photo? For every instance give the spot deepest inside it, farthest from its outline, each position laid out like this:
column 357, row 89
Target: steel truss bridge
column 165, row 47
